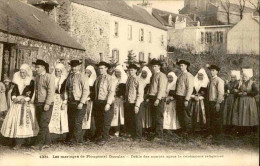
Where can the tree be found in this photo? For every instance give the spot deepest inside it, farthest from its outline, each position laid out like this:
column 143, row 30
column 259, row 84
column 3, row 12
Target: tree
column 256, row 5
column 226, row 6
column 242, row 4
column 131, row 58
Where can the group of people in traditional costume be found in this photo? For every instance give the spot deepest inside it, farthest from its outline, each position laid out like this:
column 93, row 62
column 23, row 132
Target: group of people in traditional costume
column 127, row 103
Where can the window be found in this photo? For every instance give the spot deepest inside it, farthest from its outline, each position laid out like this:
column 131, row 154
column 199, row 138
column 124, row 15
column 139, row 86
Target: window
column 208, row 37
column 150, row 37
column 100, row 31
column 115, row 55
column 149, row 57
column 116, row 29
column 202, row 37
column 129, row 32
column 141, row 56
column 161, row 57
column 101, row 56
column 162, row 40
column 219, row 37
column 141, row 34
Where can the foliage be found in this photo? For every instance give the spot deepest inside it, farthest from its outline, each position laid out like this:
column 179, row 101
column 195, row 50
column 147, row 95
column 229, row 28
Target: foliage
column 131, row 58
column 215, row 56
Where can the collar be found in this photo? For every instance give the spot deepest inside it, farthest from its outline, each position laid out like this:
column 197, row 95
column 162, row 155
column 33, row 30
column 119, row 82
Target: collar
column 103, row 75
column 216, row 76
column 43, row 73
column 75, row 73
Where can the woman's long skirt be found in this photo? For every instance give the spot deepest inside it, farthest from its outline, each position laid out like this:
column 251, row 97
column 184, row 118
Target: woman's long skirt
column 87, row 118
column 171, row 121
column 147, row 116
column 118, row 118
column 59, row 118
column 198, row 115
column 228, row 109
column 245, row 112
column 20, row 121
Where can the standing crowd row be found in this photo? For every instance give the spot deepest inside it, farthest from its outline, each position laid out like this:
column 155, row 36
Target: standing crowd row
column 125, row 103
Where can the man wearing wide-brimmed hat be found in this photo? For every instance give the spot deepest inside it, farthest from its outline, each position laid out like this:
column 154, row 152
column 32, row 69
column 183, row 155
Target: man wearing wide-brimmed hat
column 75, row 95
column 134, row 95
column 44, row 97
column 184, row 89
column 104, row 92
column 157, row 94
column 215, row 97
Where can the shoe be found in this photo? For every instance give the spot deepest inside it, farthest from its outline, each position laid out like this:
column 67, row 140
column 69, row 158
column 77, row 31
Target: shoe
column 45, row 146
column 137, row 140
column 37, row 147
column 16, row 147
column 101, row 142
column 117, row 134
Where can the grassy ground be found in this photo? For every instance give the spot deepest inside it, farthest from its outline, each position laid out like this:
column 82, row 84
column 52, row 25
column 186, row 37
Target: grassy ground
column 171, row 147
column 172, row 143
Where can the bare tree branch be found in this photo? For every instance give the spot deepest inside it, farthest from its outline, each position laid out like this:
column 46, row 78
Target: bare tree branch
column 226, row 6
column 242, row 4
column 256, row 5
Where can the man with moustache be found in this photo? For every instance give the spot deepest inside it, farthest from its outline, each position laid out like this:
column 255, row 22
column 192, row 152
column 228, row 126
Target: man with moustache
column 184, row 89
column 76, row 94
column 44, row 98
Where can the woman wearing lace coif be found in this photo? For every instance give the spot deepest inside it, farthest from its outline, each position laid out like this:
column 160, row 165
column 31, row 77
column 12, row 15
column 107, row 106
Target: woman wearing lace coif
column 59, row 118
column 20, row 121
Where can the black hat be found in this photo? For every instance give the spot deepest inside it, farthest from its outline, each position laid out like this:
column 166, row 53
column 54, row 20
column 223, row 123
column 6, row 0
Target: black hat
column 103, row 64
column 133, row 66
column 155, row 62
column 142, row 62
column 74, row 63
column 214, row 67
column 183, row 62
column 42, row 63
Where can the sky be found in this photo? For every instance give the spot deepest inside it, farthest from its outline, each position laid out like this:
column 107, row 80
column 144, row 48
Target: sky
column 168, row 5
column 174, row 5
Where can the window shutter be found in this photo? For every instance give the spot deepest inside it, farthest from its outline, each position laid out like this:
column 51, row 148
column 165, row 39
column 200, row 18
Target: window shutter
column 202, row 37
column 141, row 56
column 117, row 56
column 161, row 57
column 101, row 57
column 149, row 57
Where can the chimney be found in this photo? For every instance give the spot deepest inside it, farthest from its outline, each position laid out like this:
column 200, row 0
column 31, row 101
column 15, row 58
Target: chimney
column 170, row 19
column 146, row 5
column 247, row 16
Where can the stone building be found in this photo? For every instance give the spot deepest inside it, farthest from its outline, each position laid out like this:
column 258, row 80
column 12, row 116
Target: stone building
column 26, row 33
column 111, row 29
column 244, row 37
column 169, row 19
column 213, row 12
column 199, row 39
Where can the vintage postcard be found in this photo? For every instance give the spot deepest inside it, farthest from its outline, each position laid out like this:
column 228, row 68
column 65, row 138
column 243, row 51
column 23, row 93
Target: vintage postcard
column 129, row 82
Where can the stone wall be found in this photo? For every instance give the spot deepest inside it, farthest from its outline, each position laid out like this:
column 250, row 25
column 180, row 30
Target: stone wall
column 63, row 12
column 90, row 28
column 48, row 52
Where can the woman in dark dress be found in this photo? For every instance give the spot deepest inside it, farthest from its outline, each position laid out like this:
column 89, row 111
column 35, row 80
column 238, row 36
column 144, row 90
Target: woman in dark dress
column 20, row 121
column 145, row 77
column 245, row 112
column 120, row 78
column 231, row 90
column 197, row 103
column 88, row 124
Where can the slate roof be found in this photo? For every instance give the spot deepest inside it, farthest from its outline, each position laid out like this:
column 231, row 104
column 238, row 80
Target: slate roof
column 28, row 21
column 121, row 9
column 148, row 17
column 41, row 2
column 162, row 17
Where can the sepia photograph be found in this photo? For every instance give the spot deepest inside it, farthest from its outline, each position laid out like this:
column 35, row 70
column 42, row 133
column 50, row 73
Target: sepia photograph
column 129, row 82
